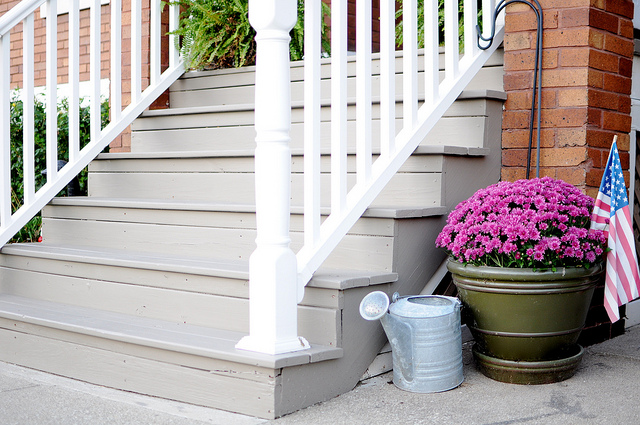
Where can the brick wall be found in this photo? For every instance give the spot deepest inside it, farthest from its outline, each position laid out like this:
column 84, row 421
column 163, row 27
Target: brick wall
column 586, row 79
column 587, row 58
column 123, row 142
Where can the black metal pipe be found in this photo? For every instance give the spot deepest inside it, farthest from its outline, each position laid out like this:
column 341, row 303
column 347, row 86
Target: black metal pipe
column 537, row 72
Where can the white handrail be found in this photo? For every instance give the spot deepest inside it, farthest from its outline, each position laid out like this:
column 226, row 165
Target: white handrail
column 34, row 201
column 417, row 122
column 17, row 14
column 272, row 308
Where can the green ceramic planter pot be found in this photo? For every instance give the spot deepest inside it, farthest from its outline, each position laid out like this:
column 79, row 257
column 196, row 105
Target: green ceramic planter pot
column 521, row 315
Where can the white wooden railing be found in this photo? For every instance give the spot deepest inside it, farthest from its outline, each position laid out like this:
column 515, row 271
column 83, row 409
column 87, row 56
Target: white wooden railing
column 277, row 276
column 23, row 13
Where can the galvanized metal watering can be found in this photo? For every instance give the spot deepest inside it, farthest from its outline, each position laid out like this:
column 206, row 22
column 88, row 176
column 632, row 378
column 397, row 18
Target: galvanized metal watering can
column 425, row 336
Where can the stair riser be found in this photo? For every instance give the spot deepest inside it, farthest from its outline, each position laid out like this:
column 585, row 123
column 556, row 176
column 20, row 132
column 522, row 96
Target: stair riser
column 445, row 132
column 160, row 279
column 374, row 252
column 185, row 96
column 404, row 190
column 218, row 219
column 132, row 164
column 173, row 306
column 108, row 367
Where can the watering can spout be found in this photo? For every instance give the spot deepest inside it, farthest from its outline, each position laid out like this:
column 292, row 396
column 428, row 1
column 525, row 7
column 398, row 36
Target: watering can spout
column 375, row 306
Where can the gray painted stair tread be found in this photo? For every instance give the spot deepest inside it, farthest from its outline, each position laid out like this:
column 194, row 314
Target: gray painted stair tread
column 296, row 104
column 183, row 338
column 297, row 67
column 245, row 153
column 324, row 278
column 170, row 204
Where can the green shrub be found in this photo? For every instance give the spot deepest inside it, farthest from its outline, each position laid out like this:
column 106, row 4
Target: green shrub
column 217, row 33
column 31, row 231
column 440, row 23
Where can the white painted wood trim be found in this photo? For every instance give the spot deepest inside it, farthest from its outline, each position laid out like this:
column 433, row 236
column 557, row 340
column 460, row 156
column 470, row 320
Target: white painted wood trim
column 431, row 53
column 5, row 135
column 338, row 105
column 156, row 41
column 136, row 47
column 74, row 81
column 52, row 88
column 312, row 129
column 470, row 22
column 65, row 6
column 387, row 78
column 273, row 288
column 28, row 132
column 410, row 64
column 363, row 90
column 115, row 50
column 94, row 69
column 451, row 46
column 174, row 48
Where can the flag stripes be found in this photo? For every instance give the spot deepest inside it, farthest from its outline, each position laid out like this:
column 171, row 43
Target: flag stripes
column 611, row 214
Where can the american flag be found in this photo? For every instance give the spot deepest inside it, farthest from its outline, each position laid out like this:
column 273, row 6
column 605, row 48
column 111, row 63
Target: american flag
column 612, row 209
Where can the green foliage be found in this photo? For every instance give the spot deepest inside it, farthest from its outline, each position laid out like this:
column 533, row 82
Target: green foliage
column 440, row 23
column 217, row 33
column 31, row 231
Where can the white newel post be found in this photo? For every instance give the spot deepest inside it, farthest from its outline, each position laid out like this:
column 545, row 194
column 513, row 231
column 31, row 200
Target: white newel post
column 273, row 266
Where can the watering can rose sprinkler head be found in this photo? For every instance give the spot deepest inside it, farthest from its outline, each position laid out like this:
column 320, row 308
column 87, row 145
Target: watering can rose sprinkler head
column 375, row 305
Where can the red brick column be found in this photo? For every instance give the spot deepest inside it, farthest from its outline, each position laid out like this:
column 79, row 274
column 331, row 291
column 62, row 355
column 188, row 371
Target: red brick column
column 586, row 79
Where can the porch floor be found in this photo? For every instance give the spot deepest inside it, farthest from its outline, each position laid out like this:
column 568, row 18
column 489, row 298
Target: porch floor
column 603, row 391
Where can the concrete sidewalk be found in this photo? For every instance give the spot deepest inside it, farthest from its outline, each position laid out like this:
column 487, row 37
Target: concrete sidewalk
column 605, row 390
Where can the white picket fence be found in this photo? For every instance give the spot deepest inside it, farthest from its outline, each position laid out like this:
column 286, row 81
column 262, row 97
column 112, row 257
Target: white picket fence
column 24, row 13
column 277, row 276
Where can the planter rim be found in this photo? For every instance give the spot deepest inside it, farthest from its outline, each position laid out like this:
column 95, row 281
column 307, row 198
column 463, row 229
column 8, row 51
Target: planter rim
column 523, row 274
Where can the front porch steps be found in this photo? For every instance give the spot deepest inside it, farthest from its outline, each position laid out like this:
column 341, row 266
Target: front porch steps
column 143, row 284
column 181, row 362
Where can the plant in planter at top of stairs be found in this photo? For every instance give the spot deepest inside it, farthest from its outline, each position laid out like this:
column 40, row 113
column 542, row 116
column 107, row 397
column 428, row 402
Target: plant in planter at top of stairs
column 525, row 264
column 217, row 34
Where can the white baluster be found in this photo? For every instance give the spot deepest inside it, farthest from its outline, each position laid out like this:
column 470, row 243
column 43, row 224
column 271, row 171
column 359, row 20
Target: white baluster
column 74, row 80
column 363, row 90
column 116, row 60
column 136, row 50
column 174, row 20
column 451, row 49
column 28, row 133
column 95, row 67
column 387, row 77
column 52, row 90
column 470, row 22
column 431, row 56
column 410, row 63
column 273, row 266
column 312, row 23
column 155, row 43
column 338, row 105
column 488, row 7
column 5, row 135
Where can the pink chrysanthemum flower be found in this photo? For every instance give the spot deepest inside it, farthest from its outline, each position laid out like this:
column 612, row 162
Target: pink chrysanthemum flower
column 528, row 223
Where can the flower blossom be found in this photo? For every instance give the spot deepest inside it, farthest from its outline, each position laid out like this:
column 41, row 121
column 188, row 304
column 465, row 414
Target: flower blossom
column 536, row 223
